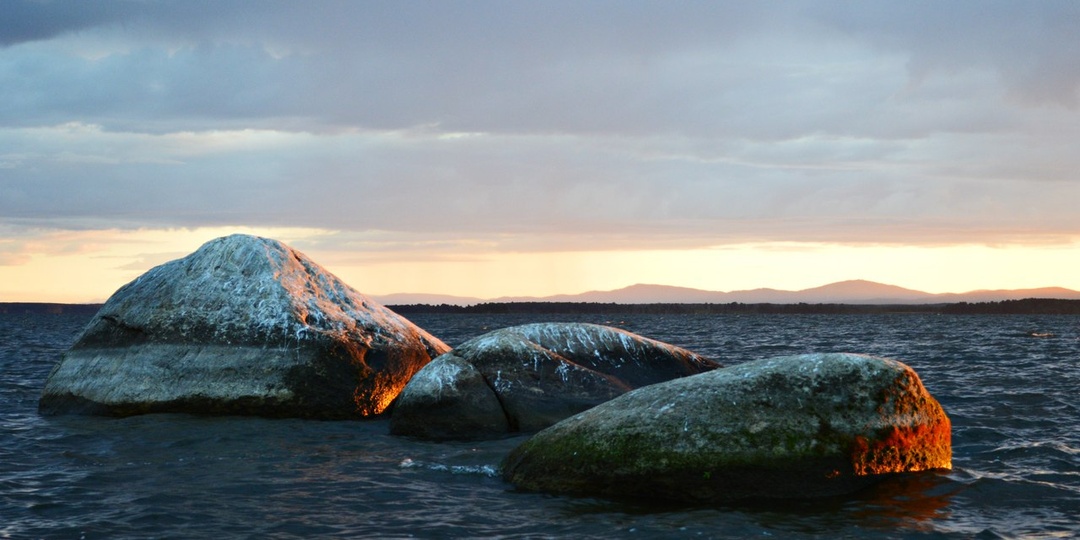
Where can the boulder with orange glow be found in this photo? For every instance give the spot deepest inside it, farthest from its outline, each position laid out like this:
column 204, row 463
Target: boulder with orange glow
column 785, row 427
column 244, row 325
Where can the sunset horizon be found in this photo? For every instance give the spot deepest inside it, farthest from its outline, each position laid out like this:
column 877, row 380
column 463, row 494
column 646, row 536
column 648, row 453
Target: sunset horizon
column 527, row 150
column 539, row 269
column 374, row 290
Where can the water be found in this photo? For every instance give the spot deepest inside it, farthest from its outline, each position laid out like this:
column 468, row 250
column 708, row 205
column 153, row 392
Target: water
column 1011, row 397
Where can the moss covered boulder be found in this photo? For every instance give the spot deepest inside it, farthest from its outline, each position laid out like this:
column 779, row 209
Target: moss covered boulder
column 525, row 378
column 244, row 325
column 785, row 427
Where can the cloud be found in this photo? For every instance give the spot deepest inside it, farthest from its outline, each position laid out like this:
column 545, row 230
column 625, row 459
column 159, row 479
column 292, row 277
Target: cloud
column 28, row 20
column 20, row 244
column 722, row 69
column 450, row 128
column 12, row 256
column 537, row 192
column 1030, row 46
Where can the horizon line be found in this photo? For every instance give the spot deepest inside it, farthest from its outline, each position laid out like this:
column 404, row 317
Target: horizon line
column 732, row 291
column 552, row 297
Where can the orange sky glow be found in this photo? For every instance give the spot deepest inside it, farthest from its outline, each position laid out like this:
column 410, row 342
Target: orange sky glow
column 545, row 148
column 89, row 266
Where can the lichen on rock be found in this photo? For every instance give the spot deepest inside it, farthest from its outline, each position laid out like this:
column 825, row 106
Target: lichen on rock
column 244, row 325
column 797, row 426
column 525, row 378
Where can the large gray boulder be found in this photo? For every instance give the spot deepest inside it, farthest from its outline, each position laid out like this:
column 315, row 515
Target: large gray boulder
column 786, row 427
column 525, row 378
column 244, row 325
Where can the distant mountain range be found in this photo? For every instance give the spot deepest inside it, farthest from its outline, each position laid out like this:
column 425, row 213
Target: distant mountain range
column 843, row 292
column 854, row 292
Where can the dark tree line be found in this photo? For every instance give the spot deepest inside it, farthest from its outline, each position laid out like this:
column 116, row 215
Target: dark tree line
column 28, row 308
column 1027, row 306
column 1030, row 306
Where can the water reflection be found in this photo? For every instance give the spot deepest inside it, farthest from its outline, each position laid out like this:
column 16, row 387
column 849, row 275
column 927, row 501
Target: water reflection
column 912, row 501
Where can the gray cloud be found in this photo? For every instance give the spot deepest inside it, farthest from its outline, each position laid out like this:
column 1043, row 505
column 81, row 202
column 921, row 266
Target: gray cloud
column 524, row 125
column 527, row 192
column 1031, row 45
column 28, row 20
column 718, row 69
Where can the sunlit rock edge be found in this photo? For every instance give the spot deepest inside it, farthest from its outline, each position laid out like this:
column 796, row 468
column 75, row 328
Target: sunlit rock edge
column 244, row 325
column 785, row 427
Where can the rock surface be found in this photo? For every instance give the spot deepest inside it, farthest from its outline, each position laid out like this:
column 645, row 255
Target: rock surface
column 525, row 378
column 796, row 426
column 244, row 325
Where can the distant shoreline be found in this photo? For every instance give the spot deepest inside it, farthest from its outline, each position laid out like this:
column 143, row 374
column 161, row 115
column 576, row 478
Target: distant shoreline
column 1027, row 306
column 48, row 308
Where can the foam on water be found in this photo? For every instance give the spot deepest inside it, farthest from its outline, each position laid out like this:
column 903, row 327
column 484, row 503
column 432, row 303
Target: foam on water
column 491, row 471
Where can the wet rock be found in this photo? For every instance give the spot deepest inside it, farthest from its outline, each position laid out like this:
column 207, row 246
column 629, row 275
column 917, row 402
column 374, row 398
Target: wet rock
column 525, row 378
column 786, row 427
column 244, row 325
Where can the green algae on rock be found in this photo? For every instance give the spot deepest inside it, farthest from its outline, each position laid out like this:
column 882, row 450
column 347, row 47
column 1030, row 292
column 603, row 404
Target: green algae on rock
column 785, row 427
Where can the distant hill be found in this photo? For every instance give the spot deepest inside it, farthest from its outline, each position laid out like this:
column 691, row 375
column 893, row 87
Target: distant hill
column 855, row 296
column 843, row 292
column 634, row 294
column 1001, row 294
column 855, row 292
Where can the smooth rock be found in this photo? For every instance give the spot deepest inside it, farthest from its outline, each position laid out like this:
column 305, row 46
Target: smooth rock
column 786, row 427
column 525, row 378
column 244, row 325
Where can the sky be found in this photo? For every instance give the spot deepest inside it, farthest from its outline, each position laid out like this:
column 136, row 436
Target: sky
column 509, row 148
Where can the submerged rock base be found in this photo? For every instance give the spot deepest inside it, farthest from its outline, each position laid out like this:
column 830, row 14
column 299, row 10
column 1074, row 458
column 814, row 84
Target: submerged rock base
column 786, row 427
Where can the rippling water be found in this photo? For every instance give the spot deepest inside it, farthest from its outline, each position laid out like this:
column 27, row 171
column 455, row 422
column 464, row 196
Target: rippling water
column 1012, row 399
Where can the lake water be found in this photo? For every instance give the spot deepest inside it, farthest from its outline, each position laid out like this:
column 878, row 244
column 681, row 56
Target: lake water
column 1013, row 400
